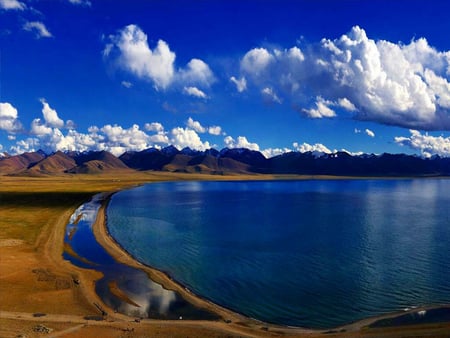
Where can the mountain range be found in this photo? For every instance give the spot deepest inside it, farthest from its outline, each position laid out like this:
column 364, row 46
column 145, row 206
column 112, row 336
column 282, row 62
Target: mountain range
column 226, row 161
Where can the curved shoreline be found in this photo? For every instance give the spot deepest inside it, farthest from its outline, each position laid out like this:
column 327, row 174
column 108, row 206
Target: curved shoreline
column 228, row 316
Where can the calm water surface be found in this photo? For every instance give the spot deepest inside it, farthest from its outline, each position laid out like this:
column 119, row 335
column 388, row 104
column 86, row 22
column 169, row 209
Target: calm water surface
column 305, row 253
column 150, row 299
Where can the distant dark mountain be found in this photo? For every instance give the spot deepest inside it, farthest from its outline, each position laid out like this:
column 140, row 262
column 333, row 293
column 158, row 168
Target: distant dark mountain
column 344, row 164
column 170, row 151
column 254, row 159
column 188, row 160
column 150, row 159
column 226, row 161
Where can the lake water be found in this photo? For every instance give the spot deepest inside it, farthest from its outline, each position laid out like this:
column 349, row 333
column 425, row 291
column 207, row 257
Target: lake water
column 149, row 299
column 317, row 254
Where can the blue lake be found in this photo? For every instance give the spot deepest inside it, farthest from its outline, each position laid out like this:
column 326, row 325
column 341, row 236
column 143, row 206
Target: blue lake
column 318, row 253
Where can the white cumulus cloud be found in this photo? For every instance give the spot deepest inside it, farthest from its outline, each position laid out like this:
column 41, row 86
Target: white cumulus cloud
column 241, row 84
column 197, row 72
column 86, row 3
column 12, row 5
column 428, row 145
column 154, row 126
column 215, row 130
column 130, row 48
column 315, row 148
column 9, row 118
column 38, row 28
column 406, row 85
column 272, row 152
column 241, row 142
column 322, row 109
column 347, row 104
column 185, row 137
column 51, row 116
column 136, row 56
column 369, row 133
column 256, row 61
column 195, row 125
column 195, row 92
column 270, row 96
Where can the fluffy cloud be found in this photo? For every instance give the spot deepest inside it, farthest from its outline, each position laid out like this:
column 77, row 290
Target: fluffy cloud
column 428, row 145
column 51, row 116
column 195, row 125
column 369, row 133
column 136, row 56
column 126, row 84
column 12, row 5
column 112, row 138
column 154, row 126
column 272, row 152
column 241, row 142
column 263, row 66
column 256, row 61
column 376, row 80
column 38, row 128
column 38, row 28
column 86, row 3
column 241, row 84
column 322, row 109
column 9, row 118
column 184, row 137
column 197, row 72
column 194, row 91
column 22, row 146
column 215, row 130
column 346, row 104
column 50, row 134
column 315, row 148
column 270, row 96
column 131, row 50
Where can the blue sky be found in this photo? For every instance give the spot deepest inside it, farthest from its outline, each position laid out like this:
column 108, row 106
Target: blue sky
column 275, row 76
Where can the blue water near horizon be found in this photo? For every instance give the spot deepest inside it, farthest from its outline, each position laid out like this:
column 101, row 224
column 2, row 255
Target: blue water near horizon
column 319, row 253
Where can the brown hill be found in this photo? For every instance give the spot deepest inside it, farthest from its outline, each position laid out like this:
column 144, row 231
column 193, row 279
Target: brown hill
column 206, row 164
column 18, row 163
column 178, row 163
column 103, row 156
column 97, row 167
column 96, row 162
column 56, row 163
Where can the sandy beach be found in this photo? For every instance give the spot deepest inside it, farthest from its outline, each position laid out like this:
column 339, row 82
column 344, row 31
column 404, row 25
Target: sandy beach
column 39, row 287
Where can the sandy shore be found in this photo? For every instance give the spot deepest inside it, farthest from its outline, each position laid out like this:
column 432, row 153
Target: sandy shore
column 37, row 286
